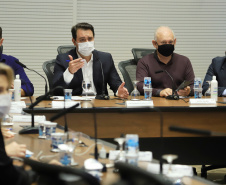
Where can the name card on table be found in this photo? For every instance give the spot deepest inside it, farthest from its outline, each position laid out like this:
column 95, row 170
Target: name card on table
column 143, row 156
column 208, row 102
column 27, row 118
column 60, row 104
column 16, row 107
column 136, row 104
column 79, row 98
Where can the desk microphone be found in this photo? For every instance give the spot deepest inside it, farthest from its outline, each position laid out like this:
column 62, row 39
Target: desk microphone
column 101, row 96
column 28, row 129
column 196, row 131
column 64, row 112
column 33, row 129
column 174, row 95
column 46, row 88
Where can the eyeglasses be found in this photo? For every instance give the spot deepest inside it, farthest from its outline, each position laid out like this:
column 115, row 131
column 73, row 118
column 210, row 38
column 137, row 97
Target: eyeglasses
column 164, row 42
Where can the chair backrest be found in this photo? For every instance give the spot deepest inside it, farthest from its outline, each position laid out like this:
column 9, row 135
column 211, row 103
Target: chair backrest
column 48, row 68
column 128, row 70
column 1, row 49
column 65, row 49
column 54, row 174
column 133, row 175
column 139, row 53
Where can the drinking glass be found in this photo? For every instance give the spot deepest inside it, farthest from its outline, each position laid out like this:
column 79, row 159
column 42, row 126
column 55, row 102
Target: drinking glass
column 135, row 94
column 120, row 141
column 72, row 143
column 169, row 158
column 86, row 86
column 208, row 92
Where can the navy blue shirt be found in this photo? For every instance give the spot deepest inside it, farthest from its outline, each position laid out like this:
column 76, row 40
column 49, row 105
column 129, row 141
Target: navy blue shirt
column 26, row 85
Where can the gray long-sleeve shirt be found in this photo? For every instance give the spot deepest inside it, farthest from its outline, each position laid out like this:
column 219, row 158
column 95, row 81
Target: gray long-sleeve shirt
column 179, row 67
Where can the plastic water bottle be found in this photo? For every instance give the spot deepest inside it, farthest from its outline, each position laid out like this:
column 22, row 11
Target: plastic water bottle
column 214, row 88
column 132, row 149
column 147, row 88
column 17, row 87
column 198, row 88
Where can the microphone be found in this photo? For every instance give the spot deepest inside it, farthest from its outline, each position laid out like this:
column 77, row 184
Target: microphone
column 28, row 129
column 196, row 131
column 174, row 95
column 95, row 131
column 65, row 111
column 33, row 129
column 46, row 88
column 102, row 96
column 160, row 71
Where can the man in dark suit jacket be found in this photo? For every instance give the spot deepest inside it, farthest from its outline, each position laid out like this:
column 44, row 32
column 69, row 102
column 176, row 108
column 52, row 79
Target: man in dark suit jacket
column 217, row 68
column 81, row 64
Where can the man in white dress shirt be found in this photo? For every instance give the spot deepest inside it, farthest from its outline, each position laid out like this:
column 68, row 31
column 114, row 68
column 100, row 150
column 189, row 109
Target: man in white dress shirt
column 81, row 64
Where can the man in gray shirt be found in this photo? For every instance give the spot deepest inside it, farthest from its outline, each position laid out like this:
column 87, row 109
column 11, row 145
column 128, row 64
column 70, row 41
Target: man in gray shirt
column 163, row 64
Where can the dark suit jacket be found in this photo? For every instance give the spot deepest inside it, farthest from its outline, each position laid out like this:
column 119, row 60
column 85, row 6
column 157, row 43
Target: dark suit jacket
column 217, row 68
column 111, row 76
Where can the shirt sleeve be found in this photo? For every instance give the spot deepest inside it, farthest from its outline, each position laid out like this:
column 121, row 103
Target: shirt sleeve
column 26, row 84
column 67, row 76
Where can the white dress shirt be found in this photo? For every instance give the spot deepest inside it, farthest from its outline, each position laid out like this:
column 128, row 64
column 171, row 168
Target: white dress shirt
column 87, row 72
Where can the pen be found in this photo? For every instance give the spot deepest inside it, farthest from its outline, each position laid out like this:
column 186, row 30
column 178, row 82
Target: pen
column 67, row 60
column 10, row 129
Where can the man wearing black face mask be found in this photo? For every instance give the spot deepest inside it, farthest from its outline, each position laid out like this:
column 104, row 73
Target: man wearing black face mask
column 164, row 63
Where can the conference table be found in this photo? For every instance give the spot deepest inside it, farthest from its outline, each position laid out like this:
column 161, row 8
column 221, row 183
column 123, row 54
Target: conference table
column 114, row 119
column 41, row 148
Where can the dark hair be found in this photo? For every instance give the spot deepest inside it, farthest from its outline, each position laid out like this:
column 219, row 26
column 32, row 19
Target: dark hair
column 0, row 32
column 82, row 25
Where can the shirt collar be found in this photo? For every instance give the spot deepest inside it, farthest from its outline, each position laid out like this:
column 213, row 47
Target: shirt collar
column 157, row 58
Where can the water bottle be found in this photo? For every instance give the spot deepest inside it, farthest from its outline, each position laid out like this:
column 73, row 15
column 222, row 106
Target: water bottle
column 132, row 149
column 198, row 88
column 17, row 88
column 214, row 88
column 147, row 88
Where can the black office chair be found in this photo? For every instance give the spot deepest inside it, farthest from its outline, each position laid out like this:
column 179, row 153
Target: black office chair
column 132, row 175
column 65, row 49
column 48, row 68
column 139, row 53
column 58, row 175
column 128, row 70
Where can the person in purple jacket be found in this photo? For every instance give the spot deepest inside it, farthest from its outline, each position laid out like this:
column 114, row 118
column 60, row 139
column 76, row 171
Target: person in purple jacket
column 27, row 87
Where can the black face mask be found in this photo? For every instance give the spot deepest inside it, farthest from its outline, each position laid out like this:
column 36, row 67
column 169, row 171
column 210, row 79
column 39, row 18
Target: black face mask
column 166, row 49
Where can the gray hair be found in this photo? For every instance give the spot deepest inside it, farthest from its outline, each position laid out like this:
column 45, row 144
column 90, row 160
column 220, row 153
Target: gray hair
column 156, row 32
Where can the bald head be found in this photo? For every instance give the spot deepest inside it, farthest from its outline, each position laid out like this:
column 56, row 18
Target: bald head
column 163, row 32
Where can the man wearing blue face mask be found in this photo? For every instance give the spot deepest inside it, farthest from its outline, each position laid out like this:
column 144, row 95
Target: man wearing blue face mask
column 166, row 68
column 80, row 64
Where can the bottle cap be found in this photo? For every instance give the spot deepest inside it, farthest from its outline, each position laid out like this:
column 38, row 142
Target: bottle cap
column 18, row 76
column 214, row 77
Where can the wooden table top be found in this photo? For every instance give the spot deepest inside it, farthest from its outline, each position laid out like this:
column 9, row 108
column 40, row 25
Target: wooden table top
column 115, row 104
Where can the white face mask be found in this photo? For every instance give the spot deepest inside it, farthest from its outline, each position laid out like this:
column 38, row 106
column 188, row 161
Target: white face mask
column 5, row 104
column 86, row 48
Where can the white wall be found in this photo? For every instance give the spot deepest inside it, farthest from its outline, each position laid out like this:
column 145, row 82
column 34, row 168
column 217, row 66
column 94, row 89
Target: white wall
column 34, row 29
